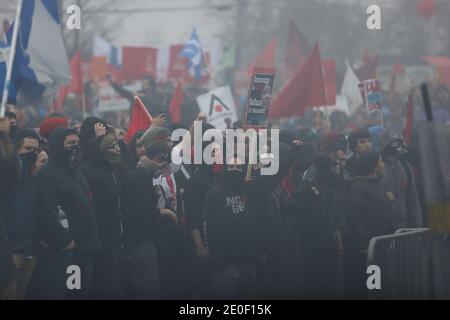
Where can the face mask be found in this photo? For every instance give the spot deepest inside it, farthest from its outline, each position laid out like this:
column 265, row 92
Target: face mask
column 13, row 130
column 113, row 157
column 28, row 161
column 234, row 179
column 73, row 156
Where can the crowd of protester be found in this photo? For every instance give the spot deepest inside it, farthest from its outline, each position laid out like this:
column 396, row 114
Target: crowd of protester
column 140, row 227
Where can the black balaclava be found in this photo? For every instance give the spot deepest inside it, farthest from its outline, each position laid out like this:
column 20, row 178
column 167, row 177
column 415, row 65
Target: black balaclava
column 67, row 158
column 27, row 162
column 233, row 179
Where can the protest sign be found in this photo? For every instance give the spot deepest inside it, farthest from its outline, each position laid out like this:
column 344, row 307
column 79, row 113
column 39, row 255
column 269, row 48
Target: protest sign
column 259, row 97
column 219, row 105
column 371, row 93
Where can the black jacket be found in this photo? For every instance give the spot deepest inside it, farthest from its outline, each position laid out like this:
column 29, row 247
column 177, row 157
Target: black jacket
column 58, row 186
column 195, row 191
column 368, row 211
column 104, row 182
column 234, row 216
column 20, row 217
column 318, row 211
column 140, row 212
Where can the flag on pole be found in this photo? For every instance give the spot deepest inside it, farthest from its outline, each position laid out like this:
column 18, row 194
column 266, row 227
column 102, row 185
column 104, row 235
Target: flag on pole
column 298, row 50
column 40, row 54
column 103, row 48
column 265, row 58
column 176, row 103
column 194, row 53
column 350, row 89
column 305, row 90
column 139, row 62
column 140, row 119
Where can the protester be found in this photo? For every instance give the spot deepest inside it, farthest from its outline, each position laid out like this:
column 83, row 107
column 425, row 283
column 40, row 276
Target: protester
column 103, row 177
column 321, row 245
column 234, row 228
column 141, row 217
column 20, row 214
column 359, row 141
column 368, row 214
column 398, row 181
column 66, row 220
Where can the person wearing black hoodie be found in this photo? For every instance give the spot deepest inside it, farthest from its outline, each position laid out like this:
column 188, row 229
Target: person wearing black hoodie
column 233, row 223
column 318, row 209
column 196, row 189
column 20, row 214
column 66, row 220
column 368, row 214
column 102, row 175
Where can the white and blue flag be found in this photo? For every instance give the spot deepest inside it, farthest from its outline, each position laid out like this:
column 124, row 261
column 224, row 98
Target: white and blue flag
column 40, row 55
column 193, row 51
column 104, row 48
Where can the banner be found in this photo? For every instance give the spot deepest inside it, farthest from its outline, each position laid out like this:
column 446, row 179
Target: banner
column 371, row 93
column 259, row 97
column 110, row 100
column 139, row 62
column 219, row 105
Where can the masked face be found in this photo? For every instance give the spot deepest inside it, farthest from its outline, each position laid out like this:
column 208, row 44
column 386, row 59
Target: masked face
column 112, row 155
column 28, row 161
column 234, row 175
column 72, row 154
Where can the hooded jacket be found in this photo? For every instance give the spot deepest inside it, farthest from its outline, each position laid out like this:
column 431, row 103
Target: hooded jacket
column 234, row 215
column 399, row 179
column 104, row 182
column 196, row 189
column 368, row 211
column 58, row 186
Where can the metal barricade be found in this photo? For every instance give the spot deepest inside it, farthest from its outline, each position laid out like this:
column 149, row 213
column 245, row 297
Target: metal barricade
column 404, row 259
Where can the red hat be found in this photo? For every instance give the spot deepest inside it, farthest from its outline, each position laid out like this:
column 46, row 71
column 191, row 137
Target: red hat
column 50, row 124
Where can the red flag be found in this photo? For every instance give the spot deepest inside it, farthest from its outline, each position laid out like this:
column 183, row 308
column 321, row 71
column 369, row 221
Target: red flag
column 178, row 69
column 139, row 62
column 329, row 80
column 75, row 85
column 407, row 132
column 175, row 104
column 297, row 51
column 266, row 58
column 426, row 8
column 140, row 119
column 305, row 90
